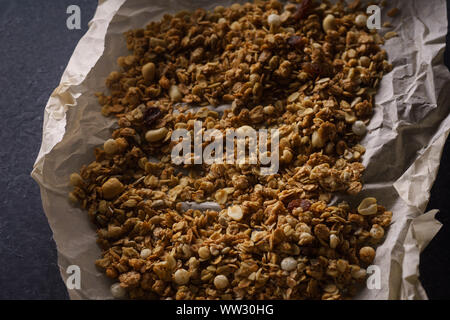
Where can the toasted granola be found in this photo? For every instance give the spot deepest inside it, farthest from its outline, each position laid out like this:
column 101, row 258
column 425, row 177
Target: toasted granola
column 309, row 70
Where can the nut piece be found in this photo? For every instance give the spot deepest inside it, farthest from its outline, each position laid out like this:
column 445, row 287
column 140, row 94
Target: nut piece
column 361, row 20
column 156, row 134
column 118, row 292
column 358, row 273
column 111, row 146
column 359, row 128
column 235, row 213
column 329, row 23
column 181, row 276
column 365, row 61
column 274, row 19
column 334, row 241
column 148, row 71
column 342, row 265
column 316, row 140
column 221, row 196
column 377, row 232
column 288, row 264
column 175, row 94
column 367, row 254
column 76, row 180
column 274, row 22
column 221, row 282
column 368, row 207
column 145, row 253
column 112, row 188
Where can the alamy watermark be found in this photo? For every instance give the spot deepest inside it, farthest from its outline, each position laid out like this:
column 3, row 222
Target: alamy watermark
column 373, row 281
column 73, row 22
column 74, row 279
column 374, row 19
column 236, row 144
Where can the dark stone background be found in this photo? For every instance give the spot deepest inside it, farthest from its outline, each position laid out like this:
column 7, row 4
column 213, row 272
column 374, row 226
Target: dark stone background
column 35, row 46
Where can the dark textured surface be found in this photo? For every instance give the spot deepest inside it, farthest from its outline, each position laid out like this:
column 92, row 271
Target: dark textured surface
column 35, row 46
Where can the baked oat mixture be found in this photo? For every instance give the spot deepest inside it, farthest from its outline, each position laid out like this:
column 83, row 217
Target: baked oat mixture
column 309, row 69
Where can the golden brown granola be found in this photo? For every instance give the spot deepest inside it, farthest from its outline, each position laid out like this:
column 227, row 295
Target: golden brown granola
column 310, row 70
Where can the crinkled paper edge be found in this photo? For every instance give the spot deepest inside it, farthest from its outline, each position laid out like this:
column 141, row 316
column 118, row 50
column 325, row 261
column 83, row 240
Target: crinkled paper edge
column 418, row 234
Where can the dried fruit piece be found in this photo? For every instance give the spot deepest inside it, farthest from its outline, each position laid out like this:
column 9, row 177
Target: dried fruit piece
column 151, row 114
column 305, row 204
column 302, row 9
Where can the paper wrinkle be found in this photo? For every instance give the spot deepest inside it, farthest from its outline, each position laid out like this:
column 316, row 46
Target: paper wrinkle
column 406, row 136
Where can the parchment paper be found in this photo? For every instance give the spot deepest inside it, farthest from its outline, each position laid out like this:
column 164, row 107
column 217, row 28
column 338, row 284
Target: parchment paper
column 404, row 144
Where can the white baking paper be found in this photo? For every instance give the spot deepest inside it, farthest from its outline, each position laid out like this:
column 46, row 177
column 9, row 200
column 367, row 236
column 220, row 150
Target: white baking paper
column 404, row 143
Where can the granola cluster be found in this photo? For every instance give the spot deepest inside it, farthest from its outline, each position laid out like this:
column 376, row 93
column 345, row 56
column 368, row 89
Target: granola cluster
column 308, row 69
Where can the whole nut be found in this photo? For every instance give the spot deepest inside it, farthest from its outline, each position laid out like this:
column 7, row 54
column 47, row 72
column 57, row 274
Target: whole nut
column 76, row 180
column 235, row 213
column 364, row 61
column 148, row 71
column 73, row 199
column 145, row 253
column 288, row 264
column 221, row 281
column 359, row 128
column 156, row 134
column 111, row 146
column 361, row 20
column 204, row 253
column 368, row 207
column 112, row 188
column 181, row 276
column 329, row 23
column 377, row 232
column 367, row 254
column 274, row 22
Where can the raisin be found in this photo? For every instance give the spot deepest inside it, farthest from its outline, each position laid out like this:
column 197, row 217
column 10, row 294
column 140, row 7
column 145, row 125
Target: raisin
column 151, row 115
column 302, row 203
column 297, row 42
column 302, row 9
